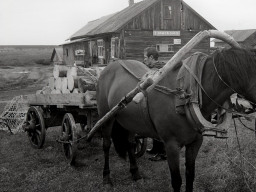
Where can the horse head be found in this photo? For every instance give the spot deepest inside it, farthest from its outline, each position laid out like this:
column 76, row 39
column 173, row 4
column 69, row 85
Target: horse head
column 231, row 71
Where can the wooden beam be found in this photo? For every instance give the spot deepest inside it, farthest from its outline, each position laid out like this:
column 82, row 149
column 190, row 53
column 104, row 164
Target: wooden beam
column 170, row 65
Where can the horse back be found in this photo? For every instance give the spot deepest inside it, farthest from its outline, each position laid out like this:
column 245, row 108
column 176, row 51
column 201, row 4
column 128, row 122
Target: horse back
column 114, row 83
column 116, row 80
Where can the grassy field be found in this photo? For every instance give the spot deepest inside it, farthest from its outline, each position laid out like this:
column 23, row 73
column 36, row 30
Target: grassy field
column 24, row 55
column 24, row 69
column 219, row 166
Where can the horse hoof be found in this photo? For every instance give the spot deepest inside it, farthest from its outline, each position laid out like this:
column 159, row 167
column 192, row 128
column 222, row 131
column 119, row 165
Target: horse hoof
column 140, row 182
column 136, row 177
column 107, row 182
column 107, row 188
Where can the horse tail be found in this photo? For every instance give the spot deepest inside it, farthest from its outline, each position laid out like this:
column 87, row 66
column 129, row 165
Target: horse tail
column 120, row 139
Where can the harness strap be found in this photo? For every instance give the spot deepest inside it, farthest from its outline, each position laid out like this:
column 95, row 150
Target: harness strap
column 144, row 105
column 201, row 86
column 127, row 69
column 181, row 93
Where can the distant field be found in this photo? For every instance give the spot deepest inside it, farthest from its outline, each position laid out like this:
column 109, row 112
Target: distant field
column 24, row 69
column 24, row 55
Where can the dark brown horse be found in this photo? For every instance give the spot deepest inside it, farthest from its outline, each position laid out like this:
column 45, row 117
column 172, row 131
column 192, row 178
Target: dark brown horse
column 235, row 67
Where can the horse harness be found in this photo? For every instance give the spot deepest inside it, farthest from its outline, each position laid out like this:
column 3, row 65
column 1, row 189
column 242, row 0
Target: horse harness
column 188, row 100
column 144, row 106
column 144, row 103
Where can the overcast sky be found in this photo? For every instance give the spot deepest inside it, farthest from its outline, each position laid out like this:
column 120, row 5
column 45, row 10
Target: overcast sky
column 51, row 22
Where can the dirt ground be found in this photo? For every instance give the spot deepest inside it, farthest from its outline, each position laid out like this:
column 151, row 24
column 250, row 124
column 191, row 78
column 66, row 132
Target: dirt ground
column 15, row 81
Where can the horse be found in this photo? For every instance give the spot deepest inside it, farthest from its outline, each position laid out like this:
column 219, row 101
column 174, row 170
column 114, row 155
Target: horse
column 225, row 72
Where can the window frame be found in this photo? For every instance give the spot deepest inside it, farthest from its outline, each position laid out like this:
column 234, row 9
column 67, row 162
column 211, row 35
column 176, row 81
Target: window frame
column 164, row 47
column 169, row 12
column 113, row 47
column 100, row 45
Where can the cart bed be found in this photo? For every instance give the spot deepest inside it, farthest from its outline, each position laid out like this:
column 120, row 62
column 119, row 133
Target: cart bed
column 82, row 100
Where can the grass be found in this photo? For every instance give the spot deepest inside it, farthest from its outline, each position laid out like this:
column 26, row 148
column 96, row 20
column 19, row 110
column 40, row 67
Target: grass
column 24, row 55
column 220, row 166
column 23, row 168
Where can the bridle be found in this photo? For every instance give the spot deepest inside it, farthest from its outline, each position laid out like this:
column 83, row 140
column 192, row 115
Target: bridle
column 233, row 90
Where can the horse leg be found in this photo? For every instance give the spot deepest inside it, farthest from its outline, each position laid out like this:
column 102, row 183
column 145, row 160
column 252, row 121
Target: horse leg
column 190, row 155
column 133, row 163
column 173, row 156
column 106, row 133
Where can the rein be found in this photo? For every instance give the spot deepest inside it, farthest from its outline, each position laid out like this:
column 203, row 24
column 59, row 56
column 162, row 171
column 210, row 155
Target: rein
column 221, row 77
column 201, row 86
column 228, row 85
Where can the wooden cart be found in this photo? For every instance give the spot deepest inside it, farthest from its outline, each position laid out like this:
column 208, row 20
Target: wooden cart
column 76, row 113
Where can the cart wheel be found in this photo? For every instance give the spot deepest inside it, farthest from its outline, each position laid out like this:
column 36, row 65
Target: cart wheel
column 35, row 127
column 141, row 145
column 69, row 134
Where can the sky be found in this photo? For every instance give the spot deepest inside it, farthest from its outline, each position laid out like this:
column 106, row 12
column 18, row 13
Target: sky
column 51, row 22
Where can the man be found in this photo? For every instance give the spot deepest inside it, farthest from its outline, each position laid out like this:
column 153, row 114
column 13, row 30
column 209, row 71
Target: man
column 151, row 60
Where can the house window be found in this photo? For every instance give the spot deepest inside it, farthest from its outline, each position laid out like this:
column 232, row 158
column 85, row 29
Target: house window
column 67, row 52
column 113, row 47
column 164, row 48
column 100, row 48
column 167, row 12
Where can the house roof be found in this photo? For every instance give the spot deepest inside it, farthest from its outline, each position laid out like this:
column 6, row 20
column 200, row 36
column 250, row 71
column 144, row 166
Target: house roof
column 58, row 51
column 114, row 22
column 90, row 26
column 238, row 35
column 211, row 26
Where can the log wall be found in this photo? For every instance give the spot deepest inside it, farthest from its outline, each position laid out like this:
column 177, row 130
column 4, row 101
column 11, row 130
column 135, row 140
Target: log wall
column 137, row 41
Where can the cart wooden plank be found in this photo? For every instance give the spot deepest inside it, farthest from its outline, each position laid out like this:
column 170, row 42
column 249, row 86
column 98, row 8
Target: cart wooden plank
column 87, row 99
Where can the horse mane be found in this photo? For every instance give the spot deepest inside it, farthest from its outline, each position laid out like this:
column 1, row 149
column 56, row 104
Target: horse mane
column 235, row 66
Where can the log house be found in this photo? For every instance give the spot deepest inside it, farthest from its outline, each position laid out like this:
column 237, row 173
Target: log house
column 165, row 24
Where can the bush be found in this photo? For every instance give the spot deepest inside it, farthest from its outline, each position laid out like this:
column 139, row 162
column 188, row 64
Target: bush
column 43, row 61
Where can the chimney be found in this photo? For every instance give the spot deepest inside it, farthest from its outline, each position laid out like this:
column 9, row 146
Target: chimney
column 131, row 2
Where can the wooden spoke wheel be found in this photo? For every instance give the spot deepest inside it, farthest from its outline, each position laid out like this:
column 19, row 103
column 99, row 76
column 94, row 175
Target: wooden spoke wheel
column 141, row 145
column 36, row 127
column 69, row 137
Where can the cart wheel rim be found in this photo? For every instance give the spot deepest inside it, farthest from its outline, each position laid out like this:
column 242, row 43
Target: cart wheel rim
column 69, row 128
column 36, row 136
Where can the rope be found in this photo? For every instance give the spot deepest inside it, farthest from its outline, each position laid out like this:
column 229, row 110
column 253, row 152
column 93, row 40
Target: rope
column 240, row 153
column 238, row 166
column 245, row 125
column 168, row 91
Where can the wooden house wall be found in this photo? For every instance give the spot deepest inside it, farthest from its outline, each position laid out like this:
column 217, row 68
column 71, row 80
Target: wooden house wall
column 71, row 57
column 137, row 41
column 138, row 33
column 152, row 18
column 192, row 21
